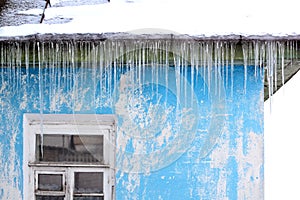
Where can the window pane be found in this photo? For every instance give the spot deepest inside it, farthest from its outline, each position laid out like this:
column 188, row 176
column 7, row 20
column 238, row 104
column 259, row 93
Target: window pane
column 40, row 197
column 70, row 148
column 88, row 182
column 50, row 182
column 88, row 198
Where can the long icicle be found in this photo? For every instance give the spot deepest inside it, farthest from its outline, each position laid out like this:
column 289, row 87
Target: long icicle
column 41, row 99
column 245, row 56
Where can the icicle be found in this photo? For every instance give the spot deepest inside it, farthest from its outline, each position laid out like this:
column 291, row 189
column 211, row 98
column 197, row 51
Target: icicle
column 96, row 72
column 100, row 65
column 81, row 50
column 139, row 66
column 291, row 52
column 143, row 61
column 216, row 65
column 270, row 70
column 193, row 55
column 204, row 64
column 184, row 67
column 11, row 75
column 2, row 63
column 156, row 61
column 75, row 75
column 166, row 71
column 198, row 60
column 41, row 98
column 274, row 58
column 114, row 65
column 209, row 60
column 281, row 56
column 91, row 69
column 227, row 64
column 177, row 78
column 220, row 68
column 262, row 55
column 256, row 57
column 296, row 50
column 67, row 66
column 108, row 71
column 51, row 73
column 18, row 66
column 245, row 55
column 115, row 60
column 250, row 50
column 70, row 70
column 232, row 56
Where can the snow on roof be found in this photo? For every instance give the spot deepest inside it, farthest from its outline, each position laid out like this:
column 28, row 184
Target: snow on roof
column 199, row 18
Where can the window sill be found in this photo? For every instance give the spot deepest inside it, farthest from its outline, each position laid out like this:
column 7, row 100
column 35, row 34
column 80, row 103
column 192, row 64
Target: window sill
column 66, row 164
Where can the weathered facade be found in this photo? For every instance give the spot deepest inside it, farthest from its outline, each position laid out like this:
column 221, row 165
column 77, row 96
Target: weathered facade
column 189, row 122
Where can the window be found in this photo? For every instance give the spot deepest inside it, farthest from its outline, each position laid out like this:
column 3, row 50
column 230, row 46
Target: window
column 69, row 157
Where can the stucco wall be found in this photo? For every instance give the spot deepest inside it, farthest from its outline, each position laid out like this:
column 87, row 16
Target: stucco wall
column 181, row 134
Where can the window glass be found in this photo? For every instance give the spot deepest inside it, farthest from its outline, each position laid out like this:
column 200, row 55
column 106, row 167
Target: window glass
column 88, row 198
column 50, row 182
column 88, row 182
column 40, row 197
column 69, row 148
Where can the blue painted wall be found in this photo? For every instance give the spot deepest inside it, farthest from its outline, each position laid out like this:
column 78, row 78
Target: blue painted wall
column 181, row 134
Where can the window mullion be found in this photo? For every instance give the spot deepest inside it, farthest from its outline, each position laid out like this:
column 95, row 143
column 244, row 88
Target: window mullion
column 69, row 184
column 86, row 138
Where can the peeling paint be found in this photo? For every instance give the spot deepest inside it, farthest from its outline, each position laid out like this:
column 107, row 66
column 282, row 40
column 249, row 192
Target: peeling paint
column 146, row 125
column 176, row 139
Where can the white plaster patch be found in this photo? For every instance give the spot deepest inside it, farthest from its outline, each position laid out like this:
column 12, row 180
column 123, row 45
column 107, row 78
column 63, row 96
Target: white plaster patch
column 10, row 168
column 151, row 133
column 250, row 180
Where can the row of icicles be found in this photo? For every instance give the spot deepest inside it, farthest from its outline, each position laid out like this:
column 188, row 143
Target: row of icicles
column 62, row 58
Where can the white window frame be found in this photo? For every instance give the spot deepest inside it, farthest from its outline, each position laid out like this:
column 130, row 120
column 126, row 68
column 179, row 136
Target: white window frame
column 68, row 124
column 38, row 171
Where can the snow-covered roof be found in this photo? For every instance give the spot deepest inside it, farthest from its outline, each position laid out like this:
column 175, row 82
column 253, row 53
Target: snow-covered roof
column 197, row 18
